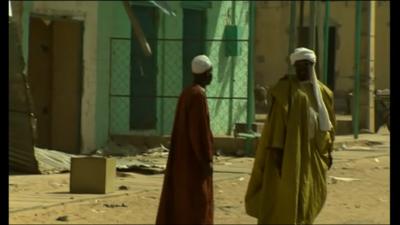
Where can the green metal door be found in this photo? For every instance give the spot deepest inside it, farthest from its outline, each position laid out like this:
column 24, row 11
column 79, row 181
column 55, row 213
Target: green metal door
column 144, row 72
column 194, row 32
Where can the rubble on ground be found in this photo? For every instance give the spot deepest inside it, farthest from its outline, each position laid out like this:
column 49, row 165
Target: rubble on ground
column 129, row 158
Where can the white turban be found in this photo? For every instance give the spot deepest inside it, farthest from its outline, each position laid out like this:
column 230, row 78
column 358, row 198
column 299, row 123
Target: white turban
column 302, row 54
column 201, row 64
column 323, row 116
column 9, row 9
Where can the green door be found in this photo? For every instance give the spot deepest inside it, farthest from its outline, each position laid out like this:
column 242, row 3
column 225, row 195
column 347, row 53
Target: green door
column 194, row 32
column 143, row 73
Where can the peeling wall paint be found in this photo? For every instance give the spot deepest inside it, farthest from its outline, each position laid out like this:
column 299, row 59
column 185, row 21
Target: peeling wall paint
column 85, row 11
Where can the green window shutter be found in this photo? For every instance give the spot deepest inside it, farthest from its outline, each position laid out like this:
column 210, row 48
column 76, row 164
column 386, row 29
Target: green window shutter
column 231, row 36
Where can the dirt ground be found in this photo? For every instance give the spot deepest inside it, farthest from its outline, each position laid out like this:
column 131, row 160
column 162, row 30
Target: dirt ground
column 42, row 199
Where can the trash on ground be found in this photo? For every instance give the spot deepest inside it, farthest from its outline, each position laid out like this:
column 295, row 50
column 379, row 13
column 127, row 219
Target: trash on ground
column 62, row 218
column 345, row 179
column 355, row 147
column 123, row 187
column 98, row 211
column 115, row 205
column 240, row 153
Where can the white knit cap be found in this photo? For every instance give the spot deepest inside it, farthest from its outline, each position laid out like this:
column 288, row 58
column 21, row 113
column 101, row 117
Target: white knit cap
column 201, row 64
column 303, row 54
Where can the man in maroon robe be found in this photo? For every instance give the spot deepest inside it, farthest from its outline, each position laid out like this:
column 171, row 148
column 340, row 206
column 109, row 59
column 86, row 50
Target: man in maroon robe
column 187, row 194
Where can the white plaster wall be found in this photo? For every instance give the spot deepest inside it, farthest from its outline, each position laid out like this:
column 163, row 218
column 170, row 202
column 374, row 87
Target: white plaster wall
column 87, row 12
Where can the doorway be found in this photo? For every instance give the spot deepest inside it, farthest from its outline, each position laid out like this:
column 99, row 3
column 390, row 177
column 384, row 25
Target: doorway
column 143, row 103
column 303, row 40
column 194, row 33
column 55, row 75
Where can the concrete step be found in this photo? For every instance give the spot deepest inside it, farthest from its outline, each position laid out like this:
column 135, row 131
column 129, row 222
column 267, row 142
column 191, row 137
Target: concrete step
column 261, row 117
column 344, row 123
column 342, row 105
column 229, row 144
column 242, row 128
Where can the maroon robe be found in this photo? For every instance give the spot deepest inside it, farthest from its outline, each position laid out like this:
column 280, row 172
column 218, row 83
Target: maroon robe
column 187, row 194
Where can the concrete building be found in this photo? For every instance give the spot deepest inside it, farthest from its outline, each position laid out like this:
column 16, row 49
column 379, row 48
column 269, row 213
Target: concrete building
column 272, row 47
column 90, row 79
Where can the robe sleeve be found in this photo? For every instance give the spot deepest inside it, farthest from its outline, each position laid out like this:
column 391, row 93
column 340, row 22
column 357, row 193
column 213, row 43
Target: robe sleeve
column 273, row 136
column 329, row 103
column 199, row 128
column 276, row 126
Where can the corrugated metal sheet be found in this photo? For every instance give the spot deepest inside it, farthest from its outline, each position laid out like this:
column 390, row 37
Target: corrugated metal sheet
column 21, row 120
column 51, row 161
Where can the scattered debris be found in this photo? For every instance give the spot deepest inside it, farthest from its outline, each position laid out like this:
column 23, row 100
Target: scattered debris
column 226, row 208
column 51, row 162
column 62, row 218
column 115, row 205
column 55, row 185
column 142, row 168
column 98, row 211
column 227, row 164
column 240, row 153
column 115, row 149
column 345, row 179
column 123, row 187
column 383, row 200
column 355, row 147
column 161, row 152
column 376, row 160
column 162, row 148
column 241, row 179
column 374, row 143
column 122, row 174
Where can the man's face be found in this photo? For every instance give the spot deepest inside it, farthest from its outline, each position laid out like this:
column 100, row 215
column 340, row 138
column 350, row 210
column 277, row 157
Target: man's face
column 208, row 77
column 303, row 69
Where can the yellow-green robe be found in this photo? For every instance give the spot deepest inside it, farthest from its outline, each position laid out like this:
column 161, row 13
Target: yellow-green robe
column 295, row 192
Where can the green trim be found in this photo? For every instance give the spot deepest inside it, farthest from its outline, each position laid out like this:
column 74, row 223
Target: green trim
column 142, row 3
column 250, row 78
column 356, row 92
column 196, row 5
column 27, row 6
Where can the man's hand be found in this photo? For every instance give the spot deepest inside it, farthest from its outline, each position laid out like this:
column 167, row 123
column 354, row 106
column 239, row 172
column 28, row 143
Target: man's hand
column 208, row 169
column 277, row 155
column 330, row 160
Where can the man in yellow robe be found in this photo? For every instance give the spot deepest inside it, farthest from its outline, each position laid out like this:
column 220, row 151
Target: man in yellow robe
column 288, row 181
